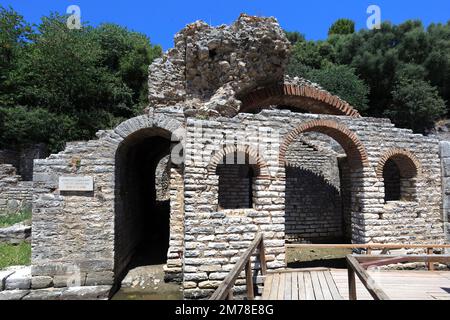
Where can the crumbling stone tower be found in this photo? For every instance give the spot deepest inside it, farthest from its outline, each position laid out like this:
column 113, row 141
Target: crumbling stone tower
column 170, row 181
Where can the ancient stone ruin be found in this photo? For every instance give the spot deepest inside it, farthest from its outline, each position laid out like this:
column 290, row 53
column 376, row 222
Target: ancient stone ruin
column 231, row 146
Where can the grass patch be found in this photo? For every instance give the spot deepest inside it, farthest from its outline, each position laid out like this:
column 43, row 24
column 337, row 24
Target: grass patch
column 15, row 255
column 13, row 218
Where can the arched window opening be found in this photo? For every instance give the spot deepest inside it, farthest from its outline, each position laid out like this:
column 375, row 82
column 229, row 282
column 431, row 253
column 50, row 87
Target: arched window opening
column 399, row 172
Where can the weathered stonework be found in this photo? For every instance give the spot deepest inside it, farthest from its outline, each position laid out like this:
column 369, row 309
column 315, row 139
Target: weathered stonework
column 15, row 194
column 216, row 95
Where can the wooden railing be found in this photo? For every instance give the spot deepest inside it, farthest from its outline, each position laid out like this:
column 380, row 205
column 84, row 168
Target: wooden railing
column 225, row 290
column 369, row 247
column 358, row 264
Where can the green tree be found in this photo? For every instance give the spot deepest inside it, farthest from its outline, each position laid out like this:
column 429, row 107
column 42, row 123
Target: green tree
column 294, row 36
column 339, row 80
column 14, row 33
column 416, row 105
column 342, row 26
column 85, row 80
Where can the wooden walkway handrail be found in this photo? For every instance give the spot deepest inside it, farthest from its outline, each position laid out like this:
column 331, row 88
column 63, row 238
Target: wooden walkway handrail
column 357, row 264
column 355, row 268
column 225, row 290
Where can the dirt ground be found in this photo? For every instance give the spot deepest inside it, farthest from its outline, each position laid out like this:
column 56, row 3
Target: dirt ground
column 311, row 258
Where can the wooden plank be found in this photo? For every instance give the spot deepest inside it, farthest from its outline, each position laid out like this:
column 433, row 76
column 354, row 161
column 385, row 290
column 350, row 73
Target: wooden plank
column 352, row 293
column 376, row 292
column 281, row 286
column 309, row 291
column 301, row 285
column 275, row 284
column 288, row 287
column 445, row 259
column 267, row 287
column 430, row 264
column 324, row 285
column 262, row 257
column 298, row 270
column 295, row 285
column 332, row 286
column 368, row 245
column 316, row 285
column 383, row 262
column 249, row 281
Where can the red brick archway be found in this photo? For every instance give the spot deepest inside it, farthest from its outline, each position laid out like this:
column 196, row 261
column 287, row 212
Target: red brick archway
column 356, row 152
column 302, row 97
column 407, row 162
column 251, row 152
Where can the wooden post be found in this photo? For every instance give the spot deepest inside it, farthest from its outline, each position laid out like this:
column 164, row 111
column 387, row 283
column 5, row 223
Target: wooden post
column 430, row 264
column 369, row 251
column 230, row 295
column 249, row 281
column 351, row 283
column 262, row 258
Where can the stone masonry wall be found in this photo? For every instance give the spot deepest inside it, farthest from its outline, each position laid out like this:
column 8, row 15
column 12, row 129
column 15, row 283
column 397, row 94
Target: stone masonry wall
column 445, row 158
column 73, row 233
column 78, row 229
column 216, row 239
column 22, row 158
column 15, row 195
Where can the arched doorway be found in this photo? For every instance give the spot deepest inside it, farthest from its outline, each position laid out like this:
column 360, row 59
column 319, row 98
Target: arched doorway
column 142, row 213
column 323, row 162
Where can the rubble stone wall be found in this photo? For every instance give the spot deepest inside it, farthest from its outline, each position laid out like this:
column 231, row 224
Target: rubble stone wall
column 15, row 195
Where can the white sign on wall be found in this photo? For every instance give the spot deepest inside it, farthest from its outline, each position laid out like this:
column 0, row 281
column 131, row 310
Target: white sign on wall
column 84, row 184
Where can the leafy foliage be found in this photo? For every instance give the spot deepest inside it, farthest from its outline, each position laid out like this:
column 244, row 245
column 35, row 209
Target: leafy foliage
column 65, row 84
column 342, row 26
column 396, row 55
column 416, row 104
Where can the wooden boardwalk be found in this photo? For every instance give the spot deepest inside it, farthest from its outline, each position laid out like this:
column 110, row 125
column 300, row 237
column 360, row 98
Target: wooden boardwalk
column 332, row 284
column 301, row 285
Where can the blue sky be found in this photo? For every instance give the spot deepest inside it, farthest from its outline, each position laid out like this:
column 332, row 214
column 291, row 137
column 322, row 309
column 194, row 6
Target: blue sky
column 160, row 20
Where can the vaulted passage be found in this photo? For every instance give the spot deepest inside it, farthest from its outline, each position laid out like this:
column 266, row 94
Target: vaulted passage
column 317, row 206
column 322, row 161
column 142, row 201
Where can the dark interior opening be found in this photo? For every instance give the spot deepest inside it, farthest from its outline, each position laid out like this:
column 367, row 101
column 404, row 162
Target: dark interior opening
column 392, row 182
column 141, row 218
column 235, row 186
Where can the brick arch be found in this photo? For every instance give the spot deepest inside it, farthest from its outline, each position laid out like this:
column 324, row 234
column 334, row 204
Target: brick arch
column 407, row 162
column 303, row 97
column 349, row 141
column 251, row 152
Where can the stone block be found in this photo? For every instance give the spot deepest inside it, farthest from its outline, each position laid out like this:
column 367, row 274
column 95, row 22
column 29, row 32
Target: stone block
column 100, row 279
column 19, row 280
column 3, row 276
column 445, row 149
column 41, row 282
column 44, row 294
column 86, row 293
column 13, row 294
